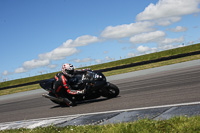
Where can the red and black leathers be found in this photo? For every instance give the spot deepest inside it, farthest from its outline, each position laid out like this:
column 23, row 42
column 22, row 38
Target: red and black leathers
column 61, row 85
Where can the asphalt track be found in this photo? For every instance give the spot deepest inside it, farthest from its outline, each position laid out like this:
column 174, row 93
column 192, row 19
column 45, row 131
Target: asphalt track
column 173, row 86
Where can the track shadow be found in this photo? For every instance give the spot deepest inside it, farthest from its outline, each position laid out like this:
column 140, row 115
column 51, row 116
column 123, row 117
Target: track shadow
column 92, row 101
column 59, row 106
column 83, row 102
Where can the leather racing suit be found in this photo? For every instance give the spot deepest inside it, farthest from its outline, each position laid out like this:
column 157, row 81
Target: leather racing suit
column 61, row 84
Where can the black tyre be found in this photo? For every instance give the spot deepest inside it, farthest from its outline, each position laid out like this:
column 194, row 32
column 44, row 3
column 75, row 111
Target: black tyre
column 111, row 91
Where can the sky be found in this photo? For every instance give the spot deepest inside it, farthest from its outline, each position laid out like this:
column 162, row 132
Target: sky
column 38, row 36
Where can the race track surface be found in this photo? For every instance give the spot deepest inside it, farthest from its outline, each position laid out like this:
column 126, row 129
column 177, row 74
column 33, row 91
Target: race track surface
column 160, row 88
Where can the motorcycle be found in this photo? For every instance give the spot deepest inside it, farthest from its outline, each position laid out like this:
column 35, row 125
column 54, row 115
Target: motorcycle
column 95, row 83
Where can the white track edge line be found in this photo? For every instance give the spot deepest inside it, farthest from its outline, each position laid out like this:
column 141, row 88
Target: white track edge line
column 113, row 111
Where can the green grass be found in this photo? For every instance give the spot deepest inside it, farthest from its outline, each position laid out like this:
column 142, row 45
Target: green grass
column 20, row 89
column 114, row 72
column 27, row 80
column 146, row 57
column 152, row 56
column 152, row 65
column 180, row 124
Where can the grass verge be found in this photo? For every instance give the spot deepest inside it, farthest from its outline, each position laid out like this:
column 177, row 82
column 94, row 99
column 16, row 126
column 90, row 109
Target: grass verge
column 146, row 57
column 114, row 72
column 152, row 56
column 180, row 124
column 19, row 89
column 152, row 65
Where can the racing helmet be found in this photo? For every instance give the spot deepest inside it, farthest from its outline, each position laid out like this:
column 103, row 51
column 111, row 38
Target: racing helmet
column 68, row 70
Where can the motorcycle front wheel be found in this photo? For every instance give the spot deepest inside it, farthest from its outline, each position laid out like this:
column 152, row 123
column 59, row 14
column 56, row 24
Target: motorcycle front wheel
column 110, row 91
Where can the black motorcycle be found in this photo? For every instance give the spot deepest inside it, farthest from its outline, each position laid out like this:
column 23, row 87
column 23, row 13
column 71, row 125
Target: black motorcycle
column 95, row 83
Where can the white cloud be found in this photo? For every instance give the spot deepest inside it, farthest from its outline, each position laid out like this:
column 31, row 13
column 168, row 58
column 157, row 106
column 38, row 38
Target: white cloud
column 168, row 9
column 28, row 65
column 68, row 48
column 83, row 60
column 58, row 53
column 131, row 55
column 98, row 61
column 167, row 41
column 190, row 42
column 146, row 49
column 84, row 40
column 20, row 70
column 178, row 29
column 35, row 64
column 127, row 30
column 166, row 47
column 147, row 37
column 81, row 41
column 5, row 73
column 164, row 12
column 167, row 21
column 109, row 58
column 52, row 66
column 68, row 43
column 143, row 49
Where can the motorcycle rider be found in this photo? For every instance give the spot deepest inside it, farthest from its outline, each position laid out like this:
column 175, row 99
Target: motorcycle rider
column 62, row 87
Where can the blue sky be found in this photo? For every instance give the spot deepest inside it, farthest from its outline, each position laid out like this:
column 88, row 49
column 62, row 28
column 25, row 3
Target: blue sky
column 38, row 36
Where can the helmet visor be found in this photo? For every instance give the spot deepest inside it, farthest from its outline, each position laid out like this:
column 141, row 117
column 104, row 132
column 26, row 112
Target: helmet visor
column 69, row 71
